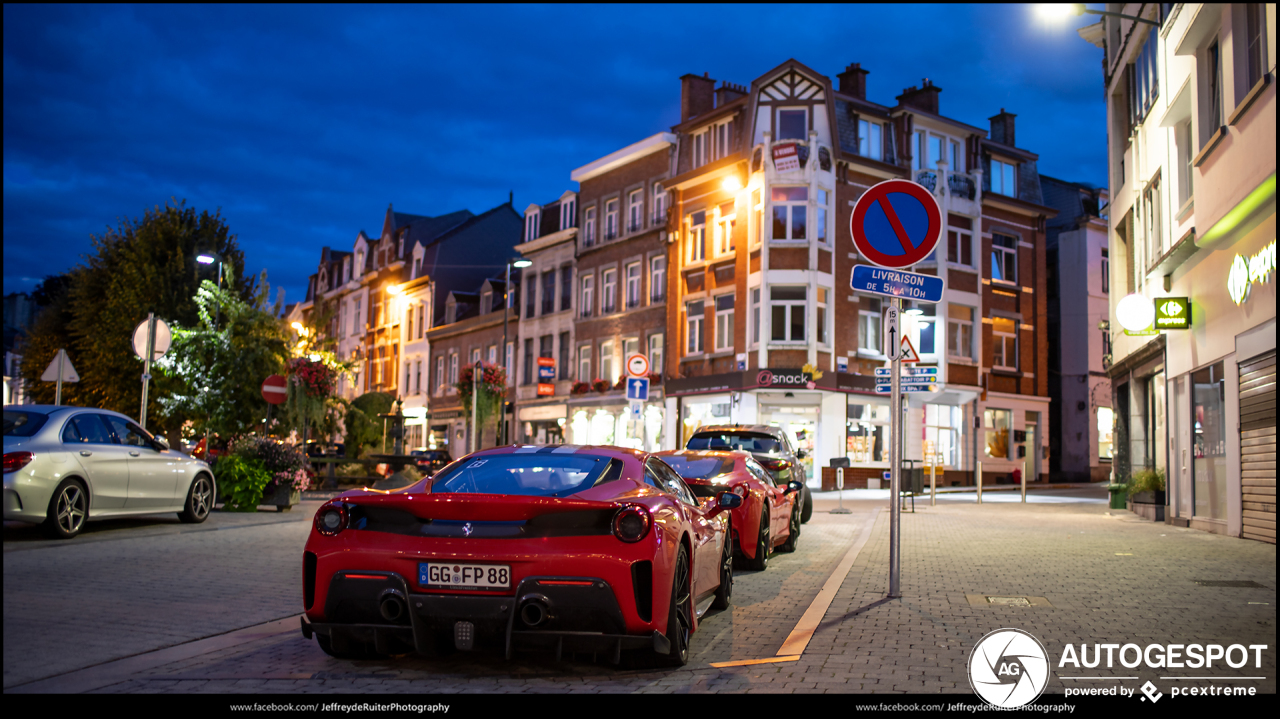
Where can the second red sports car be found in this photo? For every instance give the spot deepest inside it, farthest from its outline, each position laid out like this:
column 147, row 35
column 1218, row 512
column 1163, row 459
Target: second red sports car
column 770, row 515
column 583, row 548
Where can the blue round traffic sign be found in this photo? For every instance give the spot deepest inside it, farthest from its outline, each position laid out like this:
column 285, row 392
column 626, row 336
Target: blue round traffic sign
column 896, row 224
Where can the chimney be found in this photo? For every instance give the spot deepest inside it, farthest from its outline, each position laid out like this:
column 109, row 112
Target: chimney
column 922, row 98
column 697, row 95
column 728, row 92
column 853, row 81
column 1002, row 128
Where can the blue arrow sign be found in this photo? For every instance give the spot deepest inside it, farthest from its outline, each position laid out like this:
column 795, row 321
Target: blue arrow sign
column 896, row 283
column 906, row 371
column 886, row 389
column 638, row 389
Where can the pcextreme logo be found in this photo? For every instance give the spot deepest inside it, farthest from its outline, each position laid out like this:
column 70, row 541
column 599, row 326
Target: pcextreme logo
column 1008, row 668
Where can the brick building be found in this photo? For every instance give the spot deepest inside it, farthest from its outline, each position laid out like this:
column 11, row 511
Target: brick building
column 764, row 181
column 546, row 321
column 621, row 262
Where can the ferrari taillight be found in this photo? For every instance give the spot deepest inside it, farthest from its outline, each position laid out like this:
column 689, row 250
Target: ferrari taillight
column 331, row 519
column 14, row 461
column 775, row 464
column 632, row 523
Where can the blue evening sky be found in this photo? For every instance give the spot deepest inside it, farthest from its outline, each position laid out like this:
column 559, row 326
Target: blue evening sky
column 302, row 123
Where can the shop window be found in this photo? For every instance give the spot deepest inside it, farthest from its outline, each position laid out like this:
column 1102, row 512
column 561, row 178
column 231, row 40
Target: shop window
column 998, row 425
column 1209, row 442
column 787, row 310
column 867, row 433
column 1106, row 432
column 943, row 426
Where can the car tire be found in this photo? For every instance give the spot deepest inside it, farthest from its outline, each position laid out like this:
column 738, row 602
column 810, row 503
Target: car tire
column 793, row 540
column 724, row 593
column 764, row 542
column 200, row 499
column 680, row 613
column 68, row 509
column 807, row 513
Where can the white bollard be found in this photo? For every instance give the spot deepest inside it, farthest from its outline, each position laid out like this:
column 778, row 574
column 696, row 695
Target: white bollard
column 979, row 480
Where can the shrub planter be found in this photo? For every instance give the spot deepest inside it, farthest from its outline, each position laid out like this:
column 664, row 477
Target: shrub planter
column 1148, row 505
column 285, row 497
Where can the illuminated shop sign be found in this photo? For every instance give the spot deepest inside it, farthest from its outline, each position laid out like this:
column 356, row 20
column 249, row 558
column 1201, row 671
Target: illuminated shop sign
column 1247, row 272
column 1173, row 313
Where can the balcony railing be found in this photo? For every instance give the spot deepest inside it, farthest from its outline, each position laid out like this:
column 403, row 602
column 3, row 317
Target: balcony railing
column 659, row 219
column 928, row 178
column 962, row 186
column 610, row 235
column 635, row 226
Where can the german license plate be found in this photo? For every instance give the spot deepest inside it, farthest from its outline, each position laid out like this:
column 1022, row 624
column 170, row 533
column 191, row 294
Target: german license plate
column 459, row 575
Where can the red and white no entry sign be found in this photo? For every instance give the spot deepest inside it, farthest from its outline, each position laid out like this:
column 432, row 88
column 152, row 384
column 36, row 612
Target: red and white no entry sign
column 896, row 223
column 273, row 389
column 638, row 366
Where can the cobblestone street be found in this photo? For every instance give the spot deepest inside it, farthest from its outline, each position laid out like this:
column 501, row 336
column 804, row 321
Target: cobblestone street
column 1090, row 574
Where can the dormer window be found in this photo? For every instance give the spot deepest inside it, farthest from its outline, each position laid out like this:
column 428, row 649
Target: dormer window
column 346, row 270
column 417, row 267
column 1003, row 178
column 486, row 301
column 531, row 227
column 568, row 213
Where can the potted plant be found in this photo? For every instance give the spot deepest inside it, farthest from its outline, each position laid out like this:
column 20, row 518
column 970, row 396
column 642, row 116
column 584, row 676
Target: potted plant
column 600, row 386
column 285, row 466
column 580, row 388
column 1146, row 493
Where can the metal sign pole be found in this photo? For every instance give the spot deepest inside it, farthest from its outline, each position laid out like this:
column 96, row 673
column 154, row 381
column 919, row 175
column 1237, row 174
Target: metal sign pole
column 979, row 482
column 895, row 472
column 1024, row 481
column 62, row 354
column 933, row 482
column 475, row 378
column 146, row 367
column 840, row 489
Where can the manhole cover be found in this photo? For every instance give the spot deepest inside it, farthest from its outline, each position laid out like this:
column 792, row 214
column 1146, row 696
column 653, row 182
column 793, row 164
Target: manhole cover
column 1010, row 601
column 1245, row 583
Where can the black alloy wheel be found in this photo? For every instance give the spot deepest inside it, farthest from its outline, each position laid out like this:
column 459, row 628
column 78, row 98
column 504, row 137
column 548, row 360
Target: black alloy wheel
column 763, row 544
column 724, row 593
column 68, row 509
column 680, row 614
column 793, row 540
column 808, row 505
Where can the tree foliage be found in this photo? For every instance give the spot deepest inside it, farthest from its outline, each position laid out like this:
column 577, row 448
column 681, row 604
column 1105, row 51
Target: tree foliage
column 141, row 266
column 364, row 427
column 213, row 373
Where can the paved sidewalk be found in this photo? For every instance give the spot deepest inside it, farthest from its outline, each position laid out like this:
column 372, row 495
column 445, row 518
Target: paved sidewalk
column 1107, row 576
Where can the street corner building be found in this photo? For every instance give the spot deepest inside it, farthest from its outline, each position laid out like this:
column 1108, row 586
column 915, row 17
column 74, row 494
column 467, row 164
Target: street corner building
column 762, row 324
column 1192, row 226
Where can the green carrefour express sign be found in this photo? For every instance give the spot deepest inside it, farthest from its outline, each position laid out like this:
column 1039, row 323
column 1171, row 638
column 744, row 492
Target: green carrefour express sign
column 1173, row 313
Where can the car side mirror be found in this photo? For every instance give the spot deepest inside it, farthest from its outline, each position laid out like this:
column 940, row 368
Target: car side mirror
column 161, row 443
column 725, row 501
column 801, row 454
column 794, row 486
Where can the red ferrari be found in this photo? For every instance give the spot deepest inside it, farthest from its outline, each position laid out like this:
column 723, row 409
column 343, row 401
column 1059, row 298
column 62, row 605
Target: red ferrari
column 770, row 515
column 594, row 549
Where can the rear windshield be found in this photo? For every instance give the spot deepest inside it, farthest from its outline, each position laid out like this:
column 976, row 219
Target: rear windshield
column 530, row 475
column 22, row 424
column 749, row 441
column 699, row 467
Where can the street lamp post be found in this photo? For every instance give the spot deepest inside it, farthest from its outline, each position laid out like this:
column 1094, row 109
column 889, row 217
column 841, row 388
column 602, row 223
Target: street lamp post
column 1078, row 9
column 208, row 258
column 506, row 312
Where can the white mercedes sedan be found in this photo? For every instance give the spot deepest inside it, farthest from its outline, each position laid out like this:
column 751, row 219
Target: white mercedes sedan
column 65, row 465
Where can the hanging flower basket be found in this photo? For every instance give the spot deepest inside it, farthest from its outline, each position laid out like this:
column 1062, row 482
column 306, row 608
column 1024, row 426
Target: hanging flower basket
column 580, row 388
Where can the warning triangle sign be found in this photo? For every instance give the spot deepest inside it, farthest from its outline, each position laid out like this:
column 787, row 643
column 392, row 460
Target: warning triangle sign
column 908, row 351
